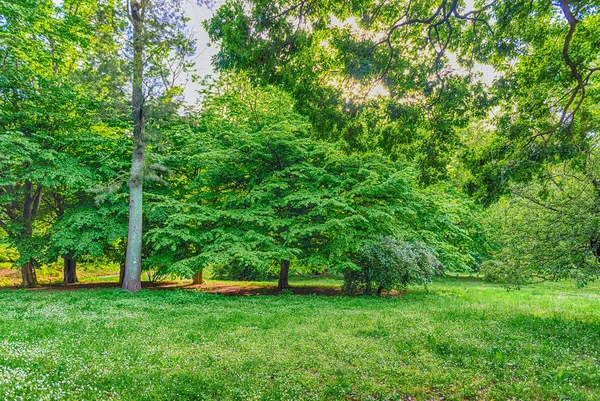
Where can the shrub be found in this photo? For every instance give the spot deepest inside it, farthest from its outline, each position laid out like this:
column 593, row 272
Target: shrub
column 390, row 264
column 511, row 275
column 493, row 271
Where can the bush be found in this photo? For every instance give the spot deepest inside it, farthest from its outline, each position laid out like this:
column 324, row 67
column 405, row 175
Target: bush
column 493, row 271
column 390, row 264
column 509, row 274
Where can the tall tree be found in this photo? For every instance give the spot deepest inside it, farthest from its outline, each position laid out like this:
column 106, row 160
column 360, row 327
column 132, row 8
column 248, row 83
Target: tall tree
column 160, row 45
column 537, row 154
column 133, row 258
column 256, row 190
column 45, row 113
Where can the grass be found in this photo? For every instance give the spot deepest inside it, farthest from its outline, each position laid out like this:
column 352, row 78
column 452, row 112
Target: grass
column 462, row 340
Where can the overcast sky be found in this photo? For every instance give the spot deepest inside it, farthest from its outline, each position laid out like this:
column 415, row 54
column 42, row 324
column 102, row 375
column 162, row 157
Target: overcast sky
column 204, row 52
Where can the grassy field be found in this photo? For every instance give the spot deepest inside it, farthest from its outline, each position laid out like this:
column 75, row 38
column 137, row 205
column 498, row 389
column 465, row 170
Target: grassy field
column 462, row 340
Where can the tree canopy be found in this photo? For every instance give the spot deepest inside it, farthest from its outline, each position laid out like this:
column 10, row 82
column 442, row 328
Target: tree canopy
column 463, row 131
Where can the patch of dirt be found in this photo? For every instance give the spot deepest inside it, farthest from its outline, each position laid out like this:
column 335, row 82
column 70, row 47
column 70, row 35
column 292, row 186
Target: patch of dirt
column 9, row 273
column 212, row 288
column 223, row 288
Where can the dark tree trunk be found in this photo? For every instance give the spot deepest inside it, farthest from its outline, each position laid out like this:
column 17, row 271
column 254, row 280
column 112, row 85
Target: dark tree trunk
column 197, row 278
column 69, row 269
column 121, row 272
column 283, row 275
column 132, row 280
column 28, row 276
column 122, row 266
column 31, row 204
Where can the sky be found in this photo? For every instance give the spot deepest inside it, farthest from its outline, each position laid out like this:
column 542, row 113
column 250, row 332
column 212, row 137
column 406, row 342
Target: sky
column 204, row 51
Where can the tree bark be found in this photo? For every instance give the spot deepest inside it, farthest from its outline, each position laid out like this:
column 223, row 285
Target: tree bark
column 28, row 276
column 69, row 269
column 121, row 273
column 197, row 278
column 133, row 261
column 122, row 266
column 283, row 275
column 31, row 205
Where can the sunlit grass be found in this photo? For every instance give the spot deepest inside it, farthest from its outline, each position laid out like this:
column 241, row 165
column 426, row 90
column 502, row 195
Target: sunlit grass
column 460, row 340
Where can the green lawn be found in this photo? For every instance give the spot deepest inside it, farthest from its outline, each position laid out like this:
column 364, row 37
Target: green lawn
column 462, row 340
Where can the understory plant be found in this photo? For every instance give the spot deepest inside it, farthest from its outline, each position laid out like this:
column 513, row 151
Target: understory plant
column 391, row 264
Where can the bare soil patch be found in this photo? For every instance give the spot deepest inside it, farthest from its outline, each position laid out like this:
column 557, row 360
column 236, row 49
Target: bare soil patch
column 213, row 288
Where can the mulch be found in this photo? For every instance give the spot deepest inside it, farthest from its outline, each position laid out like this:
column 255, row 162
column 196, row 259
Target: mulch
column 212, row 288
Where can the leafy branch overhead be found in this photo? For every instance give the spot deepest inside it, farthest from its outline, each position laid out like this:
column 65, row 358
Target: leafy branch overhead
column 400, row 75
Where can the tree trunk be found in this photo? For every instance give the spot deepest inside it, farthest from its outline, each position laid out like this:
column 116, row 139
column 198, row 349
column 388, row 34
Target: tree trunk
column 197, row 278
column 133, row 261
column 283, row 275
column 69, row 269
column 31, row 205
column 121, row 273
column 122, row 266
column 28, row 276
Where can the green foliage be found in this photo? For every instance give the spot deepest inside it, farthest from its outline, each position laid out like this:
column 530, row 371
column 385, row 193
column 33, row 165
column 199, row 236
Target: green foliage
column 389, row 264
column 261, row 189
column 548, row 231
column 546, row 99
column 373, row 75
column 238, row 272
column 512, row 275
column 49, row 132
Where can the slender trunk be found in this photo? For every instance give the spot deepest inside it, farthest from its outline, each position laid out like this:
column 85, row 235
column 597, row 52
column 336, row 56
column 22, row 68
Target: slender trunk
column 69, row 269
column 31, row 205
column 133, row 261
column 283, row 275
column 121, row 273
column 122, row 266
column 28, row 276
column 197, row 278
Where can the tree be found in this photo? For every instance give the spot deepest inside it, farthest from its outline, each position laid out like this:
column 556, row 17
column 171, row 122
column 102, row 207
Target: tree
column 383, row 74
column 546, row 97
column 548, row 229
column 375, row 74
column 46, row 112
column 262, row 192
column 537, row 154
column 159, row 41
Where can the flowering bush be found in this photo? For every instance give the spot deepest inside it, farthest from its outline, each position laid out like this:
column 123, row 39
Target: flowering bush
column 390, row 264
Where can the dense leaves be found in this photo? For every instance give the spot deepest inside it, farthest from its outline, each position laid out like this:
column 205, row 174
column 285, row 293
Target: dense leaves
column 333, row 124
column 265, row 191
column 389, row 264
column 374, row 74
